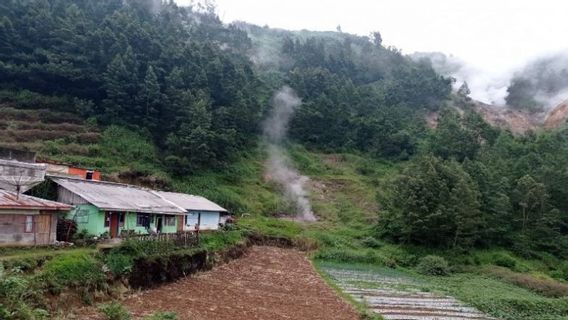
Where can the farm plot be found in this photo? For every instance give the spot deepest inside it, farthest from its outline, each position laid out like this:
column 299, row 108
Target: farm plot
column 267, row 283
column 397, row 296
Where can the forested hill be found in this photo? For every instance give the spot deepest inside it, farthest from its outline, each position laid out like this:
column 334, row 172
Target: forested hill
column 155, row 89
column 191, row 84
column 174, row 75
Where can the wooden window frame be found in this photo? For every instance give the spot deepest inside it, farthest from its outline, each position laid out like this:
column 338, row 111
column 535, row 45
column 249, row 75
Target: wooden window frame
column 142, row 219
column 170, row 221
column 29, row 224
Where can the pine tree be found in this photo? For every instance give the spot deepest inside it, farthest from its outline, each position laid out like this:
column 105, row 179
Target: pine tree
column 121, row 86
column 151, row 100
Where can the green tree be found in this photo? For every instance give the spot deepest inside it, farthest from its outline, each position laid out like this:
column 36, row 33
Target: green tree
column 434, row 202
column 150, row 99
column 453, row 139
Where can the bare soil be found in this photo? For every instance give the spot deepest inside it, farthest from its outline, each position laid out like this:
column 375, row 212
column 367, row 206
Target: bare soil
column 267, row 283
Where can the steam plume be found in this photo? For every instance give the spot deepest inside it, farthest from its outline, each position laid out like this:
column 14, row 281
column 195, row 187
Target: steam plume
column 275, row 128
column 542, row 82
column 485, row 86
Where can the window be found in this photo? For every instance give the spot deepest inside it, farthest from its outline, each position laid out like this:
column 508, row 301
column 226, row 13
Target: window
column 170, row 221
column 142, row 220
column 107, row 219
column 89, row 175
column 29, row 224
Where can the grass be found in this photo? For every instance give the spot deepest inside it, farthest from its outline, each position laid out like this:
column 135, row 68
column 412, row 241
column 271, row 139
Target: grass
column 77, row 269
column 26, row 260
column 498, row 298
column 488, row 294
column 10, row 253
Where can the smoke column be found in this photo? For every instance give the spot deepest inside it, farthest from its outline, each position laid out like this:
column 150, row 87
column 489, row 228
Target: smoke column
column 275, row 128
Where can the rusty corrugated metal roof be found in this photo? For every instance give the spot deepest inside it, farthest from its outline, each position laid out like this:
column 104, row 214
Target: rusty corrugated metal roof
column 10, row 200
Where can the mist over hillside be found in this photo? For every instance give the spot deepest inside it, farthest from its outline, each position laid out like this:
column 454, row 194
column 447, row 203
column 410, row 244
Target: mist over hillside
column 539, row 84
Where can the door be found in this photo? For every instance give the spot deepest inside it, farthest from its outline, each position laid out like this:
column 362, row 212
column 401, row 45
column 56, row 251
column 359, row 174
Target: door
column 114, row 222
column 159, row 223
column 43, row 229
column 180, row 223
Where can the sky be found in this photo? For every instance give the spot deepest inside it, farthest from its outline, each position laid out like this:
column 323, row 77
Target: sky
column 492, row 36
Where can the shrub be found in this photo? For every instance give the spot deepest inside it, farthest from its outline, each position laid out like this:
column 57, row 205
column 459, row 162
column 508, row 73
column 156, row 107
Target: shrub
column 119, row 264
column 140, row 248
column 114, row 311
column 504, row 260
column 75, row 269
column 18, row 298
column 562, row 271
column 165, row 315
column 433, row 266
column 372, row 242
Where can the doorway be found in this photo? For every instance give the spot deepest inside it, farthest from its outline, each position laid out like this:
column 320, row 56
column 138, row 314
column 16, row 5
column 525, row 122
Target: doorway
column 43, row 230
column 159, row 223
column 114, row 223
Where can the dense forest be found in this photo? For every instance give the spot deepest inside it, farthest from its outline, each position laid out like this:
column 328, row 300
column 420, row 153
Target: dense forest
column 199, row 89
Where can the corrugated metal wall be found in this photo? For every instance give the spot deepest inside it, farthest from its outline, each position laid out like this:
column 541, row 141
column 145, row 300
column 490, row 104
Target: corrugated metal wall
column 68, row 197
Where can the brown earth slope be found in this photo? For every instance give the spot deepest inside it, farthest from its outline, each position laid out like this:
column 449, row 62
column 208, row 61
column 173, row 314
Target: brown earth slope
column 268, row 283
column 557, row 116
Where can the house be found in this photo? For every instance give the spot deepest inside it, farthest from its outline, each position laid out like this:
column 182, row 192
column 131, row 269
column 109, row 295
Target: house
column 27, row 220
column 20, row 176
column 65, row 170
column 113, row 208
column 200, row 211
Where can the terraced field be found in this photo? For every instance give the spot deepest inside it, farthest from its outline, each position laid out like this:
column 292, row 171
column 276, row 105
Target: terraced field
column 396, row 296
column 30, row 129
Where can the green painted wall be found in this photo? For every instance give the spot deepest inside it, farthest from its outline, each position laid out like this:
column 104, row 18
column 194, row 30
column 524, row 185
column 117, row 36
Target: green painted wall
column 88, row 217
column 130, row 224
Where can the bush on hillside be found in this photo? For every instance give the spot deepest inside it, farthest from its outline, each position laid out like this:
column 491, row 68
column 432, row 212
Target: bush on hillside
column 165, row 315
column 114, row 311
column 75, row 269
column 433, row 266
column 372, row 242
column 562, row 271
column 18, row 298
column 504, row 260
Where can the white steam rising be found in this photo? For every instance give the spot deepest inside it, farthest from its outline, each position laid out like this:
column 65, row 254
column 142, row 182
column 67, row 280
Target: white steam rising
column 275, row 128
column 485, row 86
column 546, row 78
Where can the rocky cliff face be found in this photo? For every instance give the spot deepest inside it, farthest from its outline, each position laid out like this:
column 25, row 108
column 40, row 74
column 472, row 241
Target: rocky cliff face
column 557, row 116
column 517, row 121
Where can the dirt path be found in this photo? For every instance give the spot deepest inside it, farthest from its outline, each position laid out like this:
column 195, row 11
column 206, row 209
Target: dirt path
column 268, row 283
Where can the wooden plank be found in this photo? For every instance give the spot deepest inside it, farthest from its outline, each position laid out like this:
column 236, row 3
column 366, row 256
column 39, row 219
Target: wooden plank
column 43, row 229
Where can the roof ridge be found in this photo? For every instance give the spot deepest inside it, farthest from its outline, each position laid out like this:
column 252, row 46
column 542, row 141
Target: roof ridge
column 168, row 201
